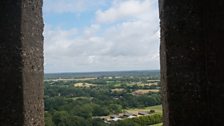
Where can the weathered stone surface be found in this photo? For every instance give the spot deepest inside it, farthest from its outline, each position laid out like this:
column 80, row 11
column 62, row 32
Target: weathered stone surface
column 21, row 63
column 192, row 35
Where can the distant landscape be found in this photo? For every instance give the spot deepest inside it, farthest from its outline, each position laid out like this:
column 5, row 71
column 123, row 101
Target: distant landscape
column 119, row 98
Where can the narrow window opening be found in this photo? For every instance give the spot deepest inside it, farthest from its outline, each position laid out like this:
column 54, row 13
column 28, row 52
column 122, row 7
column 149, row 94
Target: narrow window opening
column 102, row 63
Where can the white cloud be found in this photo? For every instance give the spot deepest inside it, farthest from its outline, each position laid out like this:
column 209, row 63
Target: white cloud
column 71, row 6
column 123, row 9
column 125, row 45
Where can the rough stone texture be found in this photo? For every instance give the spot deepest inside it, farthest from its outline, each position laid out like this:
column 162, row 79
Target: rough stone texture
column 192, row 36
column 21, row 63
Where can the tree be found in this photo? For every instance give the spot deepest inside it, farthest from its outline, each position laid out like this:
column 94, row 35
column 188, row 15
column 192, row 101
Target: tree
column 84, row 111
column 61, row 118
column 115, row 108
column 48, row 119
column 98, row 122
column 78, row 121
column 100, row 111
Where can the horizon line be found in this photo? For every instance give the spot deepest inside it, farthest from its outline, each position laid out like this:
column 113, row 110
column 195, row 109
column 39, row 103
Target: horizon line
column 101, row 71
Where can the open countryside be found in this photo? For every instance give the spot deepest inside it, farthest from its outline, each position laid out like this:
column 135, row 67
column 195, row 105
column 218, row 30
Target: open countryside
column 103, row 99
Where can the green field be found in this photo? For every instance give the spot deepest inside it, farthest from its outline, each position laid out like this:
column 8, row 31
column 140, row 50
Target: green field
column 102, row 99
column 157, row 108
column 160, row 124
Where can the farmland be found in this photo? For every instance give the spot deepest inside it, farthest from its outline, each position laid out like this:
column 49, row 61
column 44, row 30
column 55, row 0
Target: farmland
column 102, row 99
column 159, row 124
column 157, row 108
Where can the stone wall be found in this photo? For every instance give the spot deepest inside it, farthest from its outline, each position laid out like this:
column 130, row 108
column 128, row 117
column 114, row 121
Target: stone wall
column 21, row 63
column 192, row 35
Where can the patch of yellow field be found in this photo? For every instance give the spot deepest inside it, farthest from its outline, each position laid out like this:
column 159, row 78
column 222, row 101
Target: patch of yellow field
column 84, row 85
column 144, row 91
column 142, row 84
column 153, row 80
column 117, row 90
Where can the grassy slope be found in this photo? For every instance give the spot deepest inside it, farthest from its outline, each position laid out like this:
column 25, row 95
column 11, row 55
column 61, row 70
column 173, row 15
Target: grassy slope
column 157, row 108
column 160, row 124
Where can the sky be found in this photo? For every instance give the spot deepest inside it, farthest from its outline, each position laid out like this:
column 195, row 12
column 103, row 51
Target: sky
column 101, row 35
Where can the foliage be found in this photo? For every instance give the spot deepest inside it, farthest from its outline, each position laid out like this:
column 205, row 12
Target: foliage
column 66, row 105
column 140, row 121
column 48, row 119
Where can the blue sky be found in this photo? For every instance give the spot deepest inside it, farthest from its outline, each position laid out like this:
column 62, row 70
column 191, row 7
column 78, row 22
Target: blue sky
column 100, row 35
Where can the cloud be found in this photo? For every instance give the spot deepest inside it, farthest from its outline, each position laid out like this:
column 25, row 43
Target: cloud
column 71, row 6
column 124, row 45
column 125, row 9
